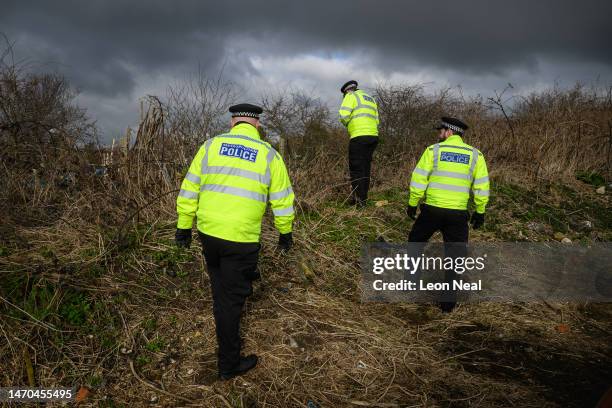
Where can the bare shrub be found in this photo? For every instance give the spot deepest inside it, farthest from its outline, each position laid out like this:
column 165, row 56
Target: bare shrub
column 301, row 120
column 43, row 134
column 196, row 109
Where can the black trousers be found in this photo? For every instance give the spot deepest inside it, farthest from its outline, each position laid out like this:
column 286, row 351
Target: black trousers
column 232, row 266
column 361, row 149
column 455, row 232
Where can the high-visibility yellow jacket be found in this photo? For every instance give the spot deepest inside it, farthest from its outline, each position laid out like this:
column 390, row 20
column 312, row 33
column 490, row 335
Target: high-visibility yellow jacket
column 359, row 113
column 229, row 183
column 446, row 173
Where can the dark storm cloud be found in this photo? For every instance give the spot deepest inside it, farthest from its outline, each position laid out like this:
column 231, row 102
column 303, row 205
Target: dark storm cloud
column 471, row 36
column 102, row 46
column 105, row 48
column 467, row 35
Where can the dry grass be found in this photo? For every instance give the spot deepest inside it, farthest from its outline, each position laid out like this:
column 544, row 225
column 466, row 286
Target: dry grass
column 317, row 341
column 95, row 291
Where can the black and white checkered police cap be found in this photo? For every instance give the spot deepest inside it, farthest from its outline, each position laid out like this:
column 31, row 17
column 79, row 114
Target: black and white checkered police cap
column 245, row 110
column 453, row 124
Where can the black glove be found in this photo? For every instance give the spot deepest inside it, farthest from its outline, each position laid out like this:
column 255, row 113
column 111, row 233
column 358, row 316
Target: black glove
column 285, row 242
column 477, row 220
column 183, row 238
column 411, row 212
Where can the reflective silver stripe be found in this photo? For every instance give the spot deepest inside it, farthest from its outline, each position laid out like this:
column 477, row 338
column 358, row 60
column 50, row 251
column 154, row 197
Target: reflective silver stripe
column 234, row 171
column 452, row 174
column 418, row 185
column 345, row 116
column 281, row 194
column 481, row 180
column 347, row 108
column 364, row 106
column 205, row 158
column 236, row 191
column 269, row 158
column 421, row 172
column 458, row 147
column 436, row 149
column 193, row 178
column 188, row 194
column 450, row 187
column 283, row 211
column 359, row 115
column 243, row 137
column 474, row 160
column 484, row 193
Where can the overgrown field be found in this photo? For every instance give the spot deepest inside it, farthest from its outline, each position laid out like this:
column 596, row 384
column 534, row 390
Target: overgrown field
column 95, row 294
column 134, row 324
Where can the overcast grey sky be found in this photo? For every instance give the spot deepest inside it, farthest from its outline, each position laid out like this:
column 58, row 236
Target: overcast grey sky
column 115, row 52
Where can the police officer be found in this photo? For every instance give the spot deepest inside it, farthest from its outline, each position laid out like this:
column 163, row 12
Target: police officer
column 445, row 175
column 227, row 187
column 359, row 113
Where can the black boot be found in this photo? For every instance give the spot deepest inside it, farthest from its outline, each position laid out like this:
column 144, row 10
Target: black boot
column 246, row 363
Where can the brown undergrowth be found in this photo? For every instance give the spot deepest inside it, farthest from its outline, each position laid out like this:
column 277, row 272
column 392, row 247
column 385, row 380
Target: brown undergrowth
column 95, row 294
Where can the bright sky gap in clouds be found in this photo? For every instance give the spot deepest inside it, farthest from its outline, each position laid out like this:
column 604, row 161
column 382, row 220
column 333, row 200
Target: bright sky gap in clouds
column 115, row 52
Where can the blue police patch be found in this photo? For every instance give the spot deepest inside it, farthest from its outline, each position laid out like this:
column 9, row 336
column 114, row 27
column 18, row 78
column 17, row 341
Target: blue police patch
column 368, row 98
column 238, row 151
column 455, row 157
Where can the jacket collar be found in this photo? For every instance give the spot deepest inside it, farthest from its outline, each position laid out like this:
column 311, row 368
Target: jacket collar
column 245, row 129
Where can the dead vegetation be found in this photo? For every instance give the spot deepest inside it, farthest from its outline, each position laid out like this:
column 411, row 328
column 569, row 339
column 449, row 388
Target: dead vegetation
column 94, row 294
